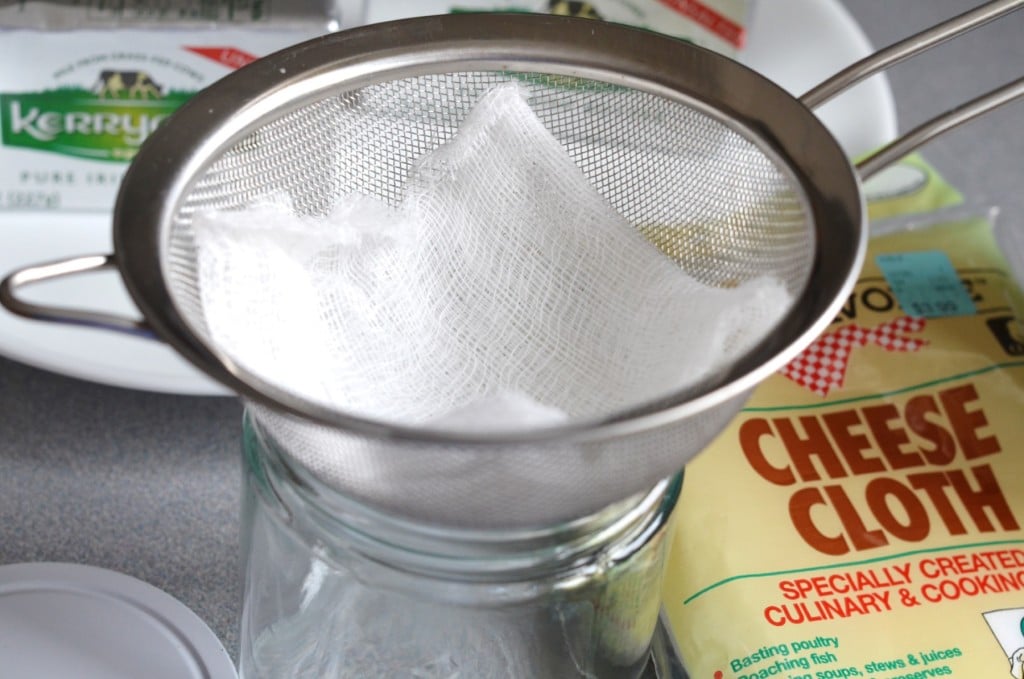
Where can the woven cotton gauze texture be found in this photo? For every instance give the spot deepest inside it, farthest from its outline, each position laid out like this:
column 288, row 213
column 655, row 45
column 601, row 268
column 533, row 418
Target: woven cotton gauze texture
column 501, row 270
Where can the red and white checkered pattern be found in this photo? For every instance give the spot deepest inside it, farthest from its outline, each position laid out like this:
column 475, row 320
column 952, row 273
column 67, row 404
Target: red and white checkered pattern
column 822, row 366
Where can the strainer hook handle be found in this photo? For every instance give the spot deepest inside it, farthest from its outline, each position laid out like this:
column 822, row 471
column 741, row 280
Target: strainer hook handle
column 904, row 49
column 21, row 278
column 890, row 153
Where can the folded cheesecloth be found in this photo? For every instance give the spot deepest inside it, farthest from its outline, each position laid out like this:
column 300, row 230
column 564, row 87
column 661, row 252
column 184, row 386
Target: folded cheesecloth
column 500, row 292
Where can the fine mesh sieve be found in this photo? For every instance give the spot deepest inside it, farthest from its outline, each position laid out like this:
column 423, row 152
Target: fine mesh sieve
column 716, row 197
column 727, row 174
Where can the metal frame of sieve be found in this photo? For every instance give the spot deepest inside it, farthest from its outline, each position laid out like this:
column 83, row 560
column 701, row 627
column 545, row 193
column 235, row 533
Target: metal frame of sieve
column 166, row 170
column 783, row 127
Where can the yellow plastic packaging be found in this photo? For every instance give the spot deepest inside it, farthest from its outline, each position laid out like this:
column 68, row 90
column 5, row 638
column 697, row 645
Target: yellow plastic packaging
column 862, row 516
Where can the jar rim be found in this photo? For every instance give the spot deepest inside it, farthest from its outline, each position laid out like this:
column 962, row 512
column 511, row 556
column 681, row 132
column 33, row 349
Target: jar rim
column 329, row 519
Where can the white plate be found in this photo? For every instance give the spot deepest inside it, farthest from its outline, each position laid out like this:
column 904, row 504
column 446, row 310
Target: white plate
column 795, row 42
column 799, row 43
column 70, row 620
column 90, row 354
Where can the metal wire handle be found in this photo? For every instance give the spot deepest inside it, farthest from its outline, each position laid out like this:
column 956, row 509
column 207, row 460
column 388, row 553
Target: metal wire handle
column 62, row 269
column 930, row 129
column 904, row 49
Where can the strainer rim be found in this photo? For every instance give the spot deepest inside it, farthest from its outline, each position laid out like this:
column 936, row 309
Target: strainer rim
column 785, row 127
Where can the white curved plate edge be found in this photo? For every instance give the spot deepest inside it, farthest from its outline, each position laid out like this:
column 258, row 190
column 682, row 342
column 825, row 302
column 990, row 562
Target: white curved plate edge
column 861, row 119
column 187, row 634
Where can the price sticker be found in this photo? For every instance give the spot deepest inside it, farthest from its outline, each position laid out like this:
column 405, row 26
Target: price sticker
column 925, row 284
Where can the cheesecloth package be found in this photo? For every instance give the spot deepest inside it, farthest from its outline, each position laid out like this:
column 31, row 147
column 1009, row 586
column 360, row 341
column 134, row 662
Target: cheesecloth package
column 862, row 516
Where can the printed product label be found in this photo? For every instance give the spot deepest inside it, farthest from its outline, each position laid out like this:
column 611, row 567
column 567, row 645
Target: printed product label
column 862, row 517
column 104, row 14
column 75, row 122
column 76, row 106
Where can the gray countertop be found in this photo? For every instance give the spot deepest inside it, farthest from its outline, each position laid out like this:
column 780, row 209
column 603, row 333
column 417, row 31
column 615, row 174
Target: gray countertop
column 149, row 484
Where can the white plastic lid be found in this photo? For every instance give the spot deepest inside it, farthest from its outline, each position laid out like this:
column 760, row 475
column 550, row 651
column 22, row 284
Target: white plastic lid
column 71, row 620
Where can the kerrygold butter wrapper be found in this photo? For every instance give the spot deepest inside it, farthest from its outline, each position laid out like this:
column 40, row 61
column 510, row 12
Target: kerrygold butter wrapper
column 77, row 103
column 718, row 25
column 862, row 516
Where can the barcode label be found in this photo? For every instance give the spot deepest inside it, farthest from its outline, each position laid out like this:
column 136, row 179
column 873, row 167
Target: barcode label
column 925, row 284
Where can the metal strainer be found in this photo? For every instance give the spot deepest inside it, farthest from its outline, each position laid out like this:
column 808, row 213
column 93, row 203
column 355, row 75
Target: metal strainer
column 729, row 175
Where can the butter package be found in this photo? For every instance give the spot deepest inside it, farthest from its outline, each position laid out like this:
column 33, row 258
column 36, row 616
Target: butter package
column 719, row 25
column 92, row 80
column 861, row 517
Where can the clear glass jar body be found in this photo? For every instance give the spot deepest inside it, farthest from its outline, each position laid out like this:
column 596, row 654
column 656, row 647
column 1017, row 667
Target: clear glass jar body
column 333, row 589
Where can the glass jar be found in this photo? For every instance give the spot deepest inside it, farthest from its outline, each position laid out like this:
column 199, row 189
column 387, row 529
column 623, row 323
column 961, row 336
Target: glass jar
column 335, row 589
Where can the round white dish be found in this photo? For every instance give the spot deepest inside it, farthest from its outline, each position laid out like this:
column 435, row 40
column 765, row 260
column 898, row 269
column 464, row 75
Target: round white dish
column 800, row 43
column 797, row 43
column 71, row 620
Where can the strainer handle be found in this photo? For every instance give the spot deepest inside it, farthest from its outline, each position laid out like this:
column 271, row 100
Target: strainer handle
column 11, row 284
column 906, row 48
column 890, row 153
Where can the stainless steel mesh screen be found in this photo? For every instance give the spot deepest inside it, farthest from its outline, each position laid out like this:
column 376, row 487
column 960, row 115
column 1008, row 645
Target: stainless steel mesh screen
column 702, row 190
column 710, row 197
